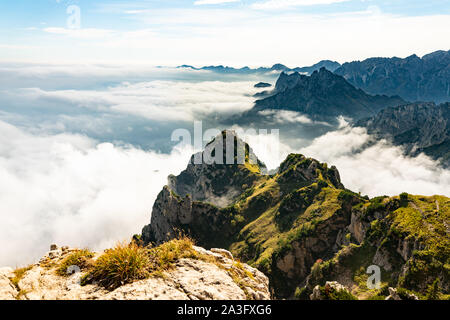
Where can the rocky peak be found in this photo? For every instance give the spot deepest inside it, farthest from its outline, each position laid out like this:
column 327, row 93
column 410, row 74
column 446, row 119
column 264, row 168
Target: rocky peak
column 220, row 173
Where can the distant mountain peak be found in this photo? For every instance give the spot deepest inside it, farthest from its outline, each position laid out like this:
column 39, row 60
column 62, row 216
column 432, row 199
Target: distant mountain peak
column 324, row 96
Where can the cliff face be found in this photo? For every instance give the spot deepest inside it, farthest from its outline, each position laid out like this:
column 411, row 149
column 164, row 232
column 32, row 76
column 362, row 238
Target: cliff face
column 419, row 127
column 323, row 95
column 412, row 78
column 214, row 276
column 295, row 222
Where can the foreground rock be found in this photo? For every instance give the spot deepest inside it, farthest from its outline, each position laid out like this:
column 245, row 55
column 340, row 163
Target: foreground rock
column 190, row 279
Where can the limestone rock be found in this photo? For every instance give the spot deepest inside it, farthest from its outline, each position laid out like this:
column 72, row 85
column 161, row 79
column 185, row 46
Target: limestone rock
column 330, row 285
column 393, row 295
column 7, row 289
column 190, row 279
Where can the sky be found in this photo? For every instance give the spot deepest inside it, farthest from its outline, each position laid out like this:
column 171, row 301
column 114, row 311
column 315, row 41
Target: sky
column 230, row 32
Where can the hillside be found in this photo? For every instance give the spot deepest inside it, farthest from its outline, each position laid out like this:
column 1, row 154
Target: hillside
column 412, row 78
column 289, row 224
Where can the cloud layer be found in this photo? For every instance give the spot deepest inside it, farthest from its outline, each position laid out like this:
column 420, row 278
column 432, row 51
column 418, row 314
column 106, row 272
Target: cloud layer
column 70, row 190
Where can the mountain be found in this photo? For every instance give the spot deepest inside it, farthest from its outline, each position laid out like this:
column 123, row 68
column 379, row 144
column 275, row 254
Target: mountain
column 262, row 85
column 412, row 78
column 323, row 95
column 327, row 64
column 302, row 228
column 419, row 127
column 176, row 270
column 330, row 65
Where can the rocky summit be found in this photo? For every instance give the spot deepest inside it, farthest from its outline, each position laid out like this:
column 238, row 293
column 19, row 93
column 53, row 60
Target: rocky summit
column 302, row 228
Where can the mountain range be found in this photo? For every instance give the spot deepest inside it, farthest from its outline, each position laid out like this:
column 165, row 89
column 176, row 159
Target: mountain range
column 323, row 96
column 305, row 231
column 330, row 65
column 412, row 78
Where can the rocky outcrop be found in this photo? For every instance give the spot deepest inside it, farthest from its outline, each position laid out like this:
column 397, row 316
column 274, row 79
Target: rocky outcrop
column 220, row 173
column 412, row 78
column 329, row 288
column 323, row 96
column 393, row 295
column 8, row 291
column 190, row 279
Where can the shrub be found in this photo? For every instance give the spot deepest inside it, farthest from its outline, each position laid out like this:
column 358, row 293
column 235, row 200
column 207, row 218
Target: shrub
column 330, row 293
column 120, row 265
column 163, row 257
column 79, row 258
column 404, row 199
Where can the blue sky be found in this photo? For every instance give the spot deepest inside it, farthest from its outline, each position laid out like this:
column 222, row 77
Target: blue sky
column 262, row 32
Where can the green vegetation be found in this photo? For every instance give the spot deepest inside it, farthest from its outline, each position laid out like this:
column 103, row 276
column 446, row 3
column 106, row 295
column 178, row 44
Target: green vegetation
column 80, row 258
column 434, row 291
column 330, row 293
column 126, row 263
column 123, row 264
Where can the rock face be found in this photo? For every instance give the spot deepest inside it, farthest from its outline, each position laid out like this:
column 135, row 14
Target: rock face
column 419, row 127
column 301, row 227
column 323, row 96
column 412, row 78
column 189, row 280
column 7, row 290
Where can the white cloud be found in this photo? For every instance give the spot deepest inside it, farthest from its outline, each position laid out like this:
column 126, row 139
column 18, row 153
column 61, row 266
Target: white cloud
column 67, row 189
column 366, row 165
column 204, row 2
column 286, row 116
column 277, row 4
column 155, row 100
column 376, row 167
column 205, row 35
column 85, row 33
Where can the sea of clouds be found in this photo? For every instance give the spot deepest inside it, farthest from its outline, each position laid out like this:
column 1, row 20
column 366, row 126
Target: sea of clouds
column 80, row 159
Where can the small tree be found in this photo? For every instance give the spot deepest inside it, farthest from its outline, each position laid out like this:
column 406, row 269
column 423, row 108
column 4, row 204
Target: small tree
column 404, row 199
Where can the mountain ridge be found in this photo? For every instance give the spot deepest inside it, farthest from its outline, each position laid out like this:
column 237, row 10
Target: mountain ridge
column 302, row 228
column 323, row 95
column 412, row 78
